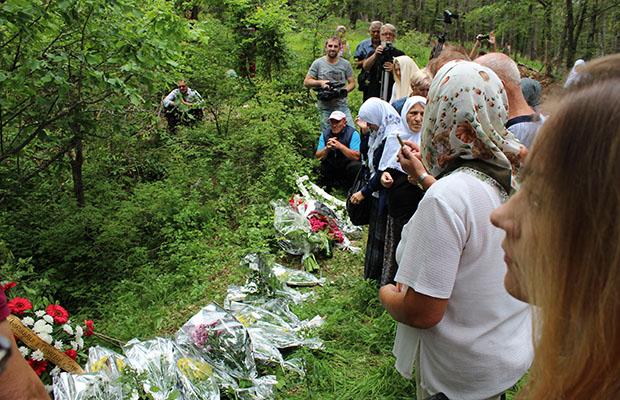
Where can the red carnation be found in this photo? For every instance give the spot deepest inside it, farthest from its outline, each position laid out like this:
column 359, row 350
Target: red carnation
column 71, row 353
column 60, row 315
column 38, row 366
column 19, row 305
column 90, row 327
column 8, row 285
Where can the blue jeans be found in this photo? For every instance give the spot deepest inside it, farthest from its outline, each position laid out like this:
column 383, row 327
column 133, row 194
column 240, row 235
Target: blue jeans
column 325, row 116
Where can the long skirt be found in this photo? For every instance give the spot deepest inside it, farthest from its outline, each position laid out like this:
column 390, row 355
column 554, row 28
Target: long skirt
column 373, row 262
column 393, row 231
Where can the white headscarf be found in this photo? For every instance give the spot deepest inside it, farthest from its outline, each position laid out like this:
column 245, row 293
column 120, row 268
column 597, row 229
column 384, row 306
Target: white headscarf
column 378, row 112
column 392, row 145
column 408, row 69
column 411, row 101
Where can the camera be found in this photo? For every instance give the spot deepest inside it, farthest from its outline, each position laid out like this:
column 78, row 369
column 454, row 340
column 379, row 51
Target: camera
column 481, row 37
column 336, row 90
column 448, row 17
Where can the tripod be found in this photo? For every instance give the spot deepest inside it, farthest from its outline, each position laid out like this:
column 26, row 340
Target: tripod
column 441, row 37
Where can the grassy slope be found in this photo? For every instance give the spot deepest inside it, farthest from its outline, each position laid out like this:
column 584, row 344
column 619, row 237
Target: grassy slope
column 357, row 362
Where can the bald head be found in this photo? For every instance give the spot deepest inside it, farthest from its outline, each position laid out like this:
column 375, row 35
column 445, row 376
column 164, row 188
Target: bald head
column 504, row 66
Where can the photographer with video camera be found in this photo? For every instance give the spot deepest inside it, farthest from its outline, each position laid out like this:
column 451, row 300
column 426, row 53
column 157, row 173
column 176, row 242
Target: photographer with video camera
column 380, row 64
column 480, row 38
column 332, row 77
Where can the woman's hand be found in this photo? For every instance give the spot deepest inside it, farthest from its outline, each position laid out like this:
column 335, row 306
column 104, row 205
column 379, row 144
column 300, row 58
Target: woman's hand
column 361, row 124
column 386, row 180
column 357, row 197
column 410, row 159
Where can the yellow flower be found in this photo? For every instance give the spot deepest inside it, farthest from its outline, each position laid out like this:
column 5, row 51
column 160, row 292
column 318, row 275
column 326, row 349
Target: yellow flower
column 99, row 364
column 194, row 369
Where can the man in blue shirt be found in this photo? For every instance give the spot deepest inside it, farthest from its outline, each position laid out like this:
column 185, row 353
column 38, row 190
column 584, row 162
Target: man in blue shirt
column 363, row 51
column 339, row 152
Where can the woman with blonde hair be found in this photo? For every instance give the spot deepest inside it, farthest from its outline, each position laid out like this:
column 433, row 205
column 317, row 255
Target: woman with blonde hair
column 404, row 71
column 562, row 244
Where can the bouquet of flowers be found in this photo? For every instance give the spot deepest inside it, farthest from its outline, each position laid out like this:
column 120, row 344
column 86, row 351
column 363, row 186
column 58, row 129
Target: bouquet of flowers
column 47, row 338
column 221, row 340
column 307, row 227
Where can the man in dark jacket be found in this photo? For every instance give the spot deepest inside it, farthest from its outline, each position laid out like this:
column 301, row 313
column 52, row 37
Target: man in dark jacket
column 339, row 152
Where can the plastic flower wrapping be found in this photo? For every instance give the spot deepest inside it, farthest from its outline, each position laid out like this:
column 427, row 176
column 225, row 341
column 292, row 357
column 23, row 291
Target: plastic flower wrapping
column 214, row 353
column 262, row 283
column 308, row 226
column 221, row 339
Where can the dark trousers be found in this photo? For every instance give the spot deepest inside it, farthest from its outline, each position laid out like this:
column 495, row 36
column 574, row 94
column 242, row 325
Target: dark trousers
column 339, row 173
column 176, row 117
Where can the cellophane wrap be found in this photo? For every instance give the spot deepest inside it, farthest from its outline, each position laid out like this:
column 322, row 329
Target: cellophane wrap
column 221, row 339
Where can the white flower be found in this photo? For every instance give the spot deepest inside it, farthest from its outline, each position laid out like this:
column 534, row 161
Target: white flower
column 134, row 395
column 48, row 318
column 79, row 332
column 46, row 337
column 74, row 345
column 38, row 355
column 80, row 342
column 68, row 329
column 42, row 327
column 28, row 321
column 58, row 344
column 24, row 350
column 40, row 313
column 55, row 371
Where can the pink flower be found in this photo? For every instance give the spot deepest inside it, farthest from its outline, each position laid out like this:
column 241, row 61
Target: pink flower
column 8, row 285
column 60, row 315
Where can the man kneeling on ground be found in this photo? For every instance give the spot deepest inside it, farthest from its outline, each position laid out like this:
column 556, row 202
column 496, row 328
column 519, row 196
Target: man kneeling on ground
column 182, row 106
column 339, row 152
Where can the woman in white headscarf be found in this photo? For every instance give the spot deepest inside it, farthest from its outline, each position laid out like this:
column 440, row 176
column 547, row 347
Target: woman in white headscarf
column 405, row 69
column 382, row 121
column 468, row 338
column 402, row 196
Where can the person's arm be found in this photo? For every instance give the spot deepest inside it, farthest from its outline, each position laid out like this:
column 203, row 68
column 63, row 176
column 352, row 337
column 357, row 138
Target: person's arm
column 411, row 308
column 410, row 160
column 348, row 153
column 350, row 84
column 493, row 41
column 321, row 149
column 370, row 61
column 18, row 381
column 169, row 100
column 474, row 50
column 311, row 82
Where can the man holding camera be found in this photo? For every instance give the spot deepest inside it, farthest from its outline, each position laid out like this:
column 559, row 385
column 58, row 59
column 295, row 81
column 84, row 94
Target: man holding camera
column 339, row 152
column 380, row 64
column 332, row 77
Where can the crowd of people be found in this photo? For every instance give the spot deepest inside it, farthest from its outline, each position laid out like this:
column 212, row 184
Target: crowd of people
column 493, row 230
column 450, row 153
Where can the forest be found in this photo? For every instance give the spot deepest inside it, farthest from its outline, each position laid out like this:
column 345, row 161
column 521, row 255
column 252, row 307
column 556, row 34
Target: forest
column 106, row 212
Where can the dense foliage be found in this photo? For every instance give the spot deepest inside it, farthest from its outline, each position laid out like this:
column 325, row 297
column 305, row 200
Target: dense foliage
column 103, row 209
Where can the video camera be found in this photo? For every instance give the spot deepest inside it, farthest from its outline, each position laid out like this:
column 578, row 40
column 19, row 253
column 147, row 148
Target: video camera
column 481, row 37
column 335, row 90
column 448, row 17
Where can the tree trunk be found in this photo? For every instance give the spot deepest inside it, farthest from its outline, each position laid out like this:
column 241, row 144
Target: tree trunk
column 591, row 43
column 77, row 160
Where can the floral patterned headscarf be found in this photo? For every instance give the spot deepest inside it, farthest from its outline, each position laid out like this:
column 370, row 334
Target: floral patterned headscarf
column 466, row 92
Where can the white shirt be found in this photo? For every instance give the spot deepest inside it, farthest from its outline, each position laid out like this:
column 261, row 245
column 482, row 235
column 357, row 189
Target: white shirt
column 192, row 96
column 450, row 250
